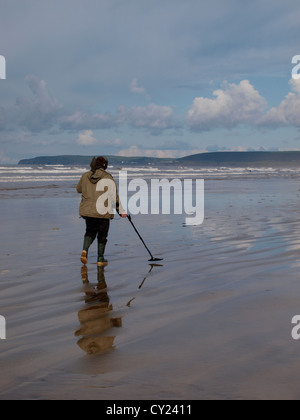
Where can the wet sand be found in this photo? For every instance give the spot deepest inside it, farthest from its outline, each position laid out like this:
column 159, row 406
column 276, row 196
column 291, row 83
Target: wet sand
column 212, row 321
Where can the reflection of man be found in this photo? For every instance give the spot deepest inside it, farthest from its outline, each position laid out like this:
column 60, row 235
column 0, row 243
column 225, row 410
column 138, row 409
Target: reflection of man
column 95, row 317
column 97, row 214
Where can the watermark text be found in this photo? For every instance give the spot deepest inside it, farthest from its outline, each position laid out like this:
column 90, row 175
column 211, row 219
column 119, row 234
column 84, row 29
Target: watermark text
column 2, row 67
column 2, row 328
column 155, row 196
column 295, row 71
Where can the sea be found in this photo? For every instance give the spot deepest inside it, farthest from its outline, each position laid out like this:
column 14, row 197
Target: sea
column 34, row 181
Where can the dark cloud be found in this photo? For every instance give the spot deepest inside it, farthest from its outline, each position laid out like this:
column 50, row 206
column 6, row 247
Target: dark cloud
column 37, row 113
column 152, row 118
column 98, row 63
column 43, row 112
column 108, row 44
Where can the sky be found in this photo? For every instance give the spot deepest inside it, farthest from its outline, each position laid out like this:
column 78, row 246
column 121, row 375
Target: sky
column 164, row 78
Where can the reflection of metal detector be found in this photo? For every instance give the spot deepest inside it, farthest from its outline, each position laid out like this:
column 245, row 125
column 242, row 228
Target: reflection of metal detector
column 152, row 265
column 152, row 258
column 141, row 285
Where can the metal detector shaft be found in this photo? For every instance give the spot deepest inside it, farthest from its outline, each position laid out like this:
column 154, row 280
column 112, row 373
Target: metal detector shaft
column 152, row 258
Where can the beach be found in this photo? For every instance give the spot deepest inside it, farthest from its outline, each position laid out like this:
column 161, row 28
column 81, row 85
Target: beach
column 210, row 321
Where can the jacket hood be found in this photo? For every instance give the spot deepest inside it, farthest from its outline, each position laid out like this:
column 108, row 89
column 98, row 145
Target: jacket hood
column 95, row 177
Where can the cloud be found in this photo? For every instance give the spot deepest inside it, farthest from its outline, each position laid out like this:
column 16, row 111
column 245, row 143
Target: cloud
column 158, row 152
column 85, row 138
column 135, row 151
column 43, row 112
column 40, row 112
column 153, row 118
column 214, row 38
column 174, row 145
column 287, row 113
column 35, row 114
column 217, row 148
column 80, row 120
column 131, row 151
column 146, row 53
column 135, row 88
column 234, row 105
column 112, row 143
column 242, row 104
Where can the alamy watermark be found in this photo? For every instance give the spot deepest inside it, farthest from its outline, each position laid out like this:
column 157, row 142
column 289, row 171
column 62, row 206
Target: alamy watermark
column 295, row 74
column 2, row 328
column 296, row 328
column 157, row 196
column 2, row 67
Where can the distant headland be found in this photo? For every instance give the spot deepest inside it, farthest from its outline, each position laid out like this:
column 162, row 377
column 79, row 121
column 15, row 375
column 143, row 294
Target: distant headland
column 216, row 159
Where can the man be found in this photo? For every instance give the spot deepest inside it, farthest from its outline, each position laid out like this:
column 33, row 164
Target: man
column 99, row 194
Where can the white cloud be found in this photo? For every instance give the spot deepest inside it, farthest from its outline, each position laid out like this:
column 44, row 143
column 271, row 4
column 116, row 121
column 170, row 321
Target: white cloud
column 233, row 105
column 243, row 105
column 134, row 151
column 85, row 138
column 287, row 113
column 135, row 88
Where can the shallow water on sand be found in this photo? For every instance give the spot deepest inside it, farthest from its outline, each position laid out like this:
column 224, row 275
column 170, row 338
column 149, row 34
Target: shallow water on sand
column 211, row 321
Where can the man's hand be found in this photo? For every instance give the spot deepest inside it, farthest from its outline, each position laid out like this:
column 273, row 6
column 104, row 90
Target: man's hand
column 124, row 215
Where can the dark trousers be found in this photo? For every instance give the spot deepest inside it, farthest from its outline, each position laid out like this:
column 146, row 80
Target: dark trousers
column 97, row 228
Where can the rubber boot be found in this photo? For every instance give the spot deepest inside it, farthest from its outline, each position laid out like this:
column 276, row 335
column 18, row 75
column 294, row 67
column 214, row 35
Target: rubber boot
column 86, row 245
column 102, row 262
column 84, row 275
column 101, row 278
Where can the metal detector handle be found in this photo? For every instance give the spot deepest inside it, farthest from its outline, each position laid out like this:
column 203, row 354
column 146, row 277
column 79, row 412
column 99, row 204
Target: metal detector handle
column 130, row 220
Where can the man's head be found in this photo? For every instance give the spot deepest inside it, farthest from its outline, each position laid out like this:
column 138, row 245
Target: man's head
column 99, row 163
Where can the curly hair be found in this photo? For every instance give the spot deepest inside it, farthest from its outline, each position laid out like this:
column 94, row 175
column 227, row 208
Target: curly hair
column 99, row 163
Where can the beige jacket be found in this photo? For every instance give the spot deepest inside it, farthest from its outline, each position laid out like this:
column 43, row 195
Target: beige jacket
column 99, row 195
